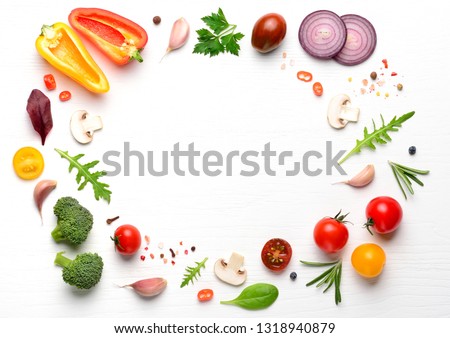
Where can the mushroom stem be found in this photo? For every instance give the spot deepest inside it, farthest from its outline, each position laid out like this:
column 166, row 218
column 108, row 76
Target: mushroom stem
column 235, row 262
column 349, row 113
column 94, row 123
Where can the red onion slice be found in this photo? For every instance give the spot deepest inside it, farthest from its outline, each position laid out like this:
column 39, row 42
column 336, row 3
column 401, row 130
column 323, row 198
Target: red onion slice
column 322, row 34
column 361, row 40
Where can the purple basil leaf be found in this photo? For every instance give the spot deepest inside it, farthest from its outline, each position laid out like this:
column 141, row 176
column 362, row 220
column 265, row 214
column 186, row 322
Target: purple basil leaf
column 39, row 109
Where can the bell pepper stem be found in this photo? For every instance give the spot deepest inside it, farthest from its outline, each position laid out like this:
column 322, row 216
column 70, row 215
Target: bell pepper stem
column 136, row 56
column 48, row 32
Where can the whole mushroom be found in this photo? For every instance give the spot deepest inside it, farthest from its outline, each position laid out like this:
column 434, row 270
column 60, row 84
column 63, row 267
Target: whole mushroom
column 231, row 272
column 340, row 111
column 83, row 125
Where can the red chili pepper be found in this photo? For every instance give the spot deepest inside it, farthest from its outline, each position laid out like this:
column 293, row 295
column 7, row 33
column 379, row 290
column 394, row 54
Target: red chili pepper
column 65, row 96
column 317, row 89
column 393, row 74
column 304, row 76
column 119, row 38
column 49, row 81
column 205, row 295
column 385, row 63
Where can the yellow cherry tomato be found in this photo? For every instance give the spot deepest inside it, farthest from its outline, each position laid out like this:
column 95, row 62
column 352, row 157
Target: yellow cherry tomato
column 368, row 260
column 28, row 163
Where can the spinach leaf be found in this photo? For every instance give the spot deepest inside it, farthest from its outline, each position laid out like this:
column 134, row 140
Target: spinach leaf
column 255, row 297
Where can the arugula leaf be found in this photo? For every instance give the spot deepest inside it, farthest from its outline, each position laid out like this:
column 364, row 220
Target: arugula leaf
column 379, row 136
column 192, row 273
column 222, row 38
column 100, row 189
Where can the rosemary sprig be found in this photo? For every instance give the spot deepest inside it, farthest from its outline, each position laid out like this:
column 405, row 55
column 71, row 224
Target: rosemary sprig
column 193, row 272
column 404, row 175
column 329, row 277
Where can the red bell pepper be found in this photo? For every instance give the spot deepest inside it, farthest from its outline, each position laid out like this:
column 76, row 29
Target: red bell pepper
column 119, row 38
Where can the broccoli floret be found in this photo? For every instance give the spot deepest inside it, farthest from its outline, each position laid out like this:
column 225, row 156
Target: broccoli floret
column 74, row 221
column 84, row 271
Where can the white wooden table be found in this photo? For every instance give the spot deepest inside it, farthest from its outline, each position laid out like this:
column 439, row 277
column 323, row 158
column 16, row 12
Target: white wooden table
column 230, row 103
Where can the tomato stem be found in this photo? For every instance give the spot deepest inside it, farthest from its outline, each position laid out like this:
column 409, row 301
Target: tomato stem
column 369, row 224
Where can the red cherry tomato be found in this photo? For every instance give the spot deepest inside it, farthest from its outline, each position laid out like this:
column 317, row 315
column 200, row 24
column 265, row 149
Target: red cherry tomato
column 331, row 234
column 127, row 239
column 276, row 254
column 317, row 89
column 49, row 81
column 384, row 215
column 65, row 96
column 268, row 32
column 205, row 295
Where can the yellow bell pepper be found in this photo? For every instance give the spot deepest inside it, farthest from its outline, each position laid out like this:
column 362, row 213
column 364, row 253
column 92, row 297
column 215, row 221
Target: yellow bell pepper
column 63, row 49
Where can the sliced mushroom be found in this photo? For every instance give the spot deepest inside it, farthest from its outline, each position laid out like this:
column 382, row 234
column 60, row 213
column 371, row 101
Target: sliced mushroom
column 83, row 125
column 231, row 272
column 340, row 111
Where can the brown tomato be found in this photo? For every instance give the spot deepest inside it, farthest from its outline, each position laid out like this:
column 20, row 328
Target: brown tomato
column 268, row 32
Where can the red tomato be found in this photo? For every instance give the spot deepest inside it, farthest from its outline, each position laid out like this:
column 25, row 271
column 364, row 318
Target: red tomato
column 331, row 234
column 384, row 215
column 127, row 239
column 205, row 295
column 268, row 32
column 317, row 89
column 49, row 81
column 276, row 254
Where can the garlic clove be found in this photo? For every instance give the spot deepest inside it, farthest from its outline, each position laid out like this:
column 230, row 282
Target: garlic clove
column 41, row 191
column 178, row 35
column 363, row 178
column 148, row 287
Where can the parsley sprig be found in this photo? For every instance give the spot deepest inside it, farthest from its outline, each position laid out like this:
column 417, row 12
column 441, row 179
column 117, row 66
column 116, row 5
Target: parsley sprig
column 220, row 39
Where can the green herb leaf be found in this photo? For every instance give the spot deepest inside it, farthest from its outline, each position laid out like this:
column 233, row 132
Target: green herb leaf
column 193, row 273
column 100, row 188
column 330, row 277
column 255, row 297
column 403, row 175
column 222, row 38
column 379, row 136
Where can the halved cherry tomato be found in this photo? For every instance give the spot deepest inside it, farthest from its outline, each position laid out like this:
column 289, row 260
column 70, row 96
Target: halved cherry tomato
column 65, row 96
column 205, row 295
column 317, row 89
column 276, row 254
column 49, row 81
column 304, row 76
column 28, row 163
column 368, row 260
